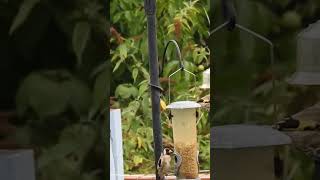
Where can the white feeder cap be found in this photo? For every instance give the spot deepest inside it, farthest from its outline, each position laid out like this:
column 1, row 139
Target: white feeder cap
column 183, row 105
column 206, row 79
column 246, row 136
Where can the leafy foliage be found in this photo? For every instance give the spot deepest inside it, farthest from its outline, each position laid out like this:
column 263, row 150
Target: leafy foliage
column 243, row 90
column 66, row 91
column 60, row 101
column 183, row 21
column 56, row 122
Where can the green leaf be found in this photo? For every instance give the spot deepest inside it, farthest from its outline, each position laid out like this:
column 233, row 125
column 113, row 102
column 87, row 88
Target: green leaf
column 143, row 88
column 135, row 73
column 81, row 34
column 126, row 91
column 137, row 160
column 24, row 11
column 59, row 90
column 132, row 109
column 117, row 65
column 101, row 88
column 170, row 68
column 123, row 51
column 145, row 73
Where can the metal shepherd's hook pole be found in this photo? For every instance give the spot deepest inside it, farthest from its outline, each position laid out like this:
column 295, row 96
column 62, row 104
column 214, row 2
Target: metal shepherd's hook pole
column 150, row 10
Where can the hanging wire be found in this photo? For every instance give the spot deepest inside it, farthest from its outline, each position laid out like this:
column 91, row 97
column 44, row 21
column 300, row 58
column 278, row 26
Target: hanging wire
column 271, row 52
column 181, row 65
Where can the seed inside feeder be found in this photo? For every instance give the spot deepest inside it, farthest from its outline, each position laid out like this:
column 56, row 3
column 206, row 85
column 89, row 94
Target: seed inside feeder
column 189, row 166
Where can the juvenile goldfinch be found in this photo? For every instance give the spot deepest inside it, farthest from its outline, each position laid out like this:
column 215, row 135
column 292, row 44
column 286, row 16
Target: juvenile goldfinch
column 163, row 165
column 290, row 123
column 307, row 119
column 163, row 105
column 205, row 102
column 205, row 99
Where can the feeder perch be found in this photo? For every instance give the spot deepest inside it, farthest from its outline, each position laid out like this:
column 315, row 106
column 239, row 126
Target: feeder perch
column 184, row 125
column 245, row 150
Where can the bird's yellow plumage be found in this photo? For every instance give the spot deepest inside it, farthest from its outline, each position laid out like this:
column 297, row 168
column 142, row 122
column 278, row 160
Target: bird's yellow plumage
column 163, row 105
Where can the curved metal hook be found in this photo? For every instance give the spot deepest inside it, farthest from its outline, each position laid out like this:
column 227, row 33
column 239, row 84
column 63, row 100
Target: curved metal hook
column 229, row 13
column 178, row 52
column 181, row 68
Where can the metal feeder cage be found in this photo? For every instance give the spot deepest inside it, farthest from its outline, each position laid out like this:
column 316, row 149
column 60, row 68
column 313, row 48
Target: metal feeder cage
column 184, row 117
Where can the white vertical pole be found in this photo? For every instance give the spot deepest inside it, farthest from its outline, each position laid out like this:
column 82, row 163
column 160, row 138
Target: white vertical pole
column 112, row 165
column 116, row 135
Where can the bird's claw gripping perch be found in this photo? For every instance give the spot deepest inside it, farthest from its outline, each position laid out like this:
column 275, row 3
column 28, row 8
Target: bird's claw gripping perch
column 163, row 164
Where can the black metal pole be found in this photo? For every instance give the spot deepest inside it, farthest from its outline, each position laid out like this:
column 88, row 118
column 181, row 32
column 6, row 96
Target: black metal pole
column 150, row 9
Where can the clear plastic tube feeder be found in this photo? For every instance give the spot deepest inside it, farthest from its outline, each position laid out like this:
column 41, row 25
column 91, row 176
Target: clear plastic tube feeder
column 184, row 124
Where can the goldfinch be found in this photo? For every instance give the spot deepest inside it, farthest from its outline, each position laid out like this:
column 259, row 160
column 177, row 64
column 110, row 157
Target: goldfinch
column 163, row 105
column 205, row 102
column 163, row 165
column 307, row 119
column 289, row 123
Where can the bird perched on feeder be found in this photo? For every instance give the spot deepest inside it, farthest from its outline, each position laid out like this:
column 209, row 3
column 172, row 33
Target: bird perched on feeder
column 303, row 128
column 167, row 143
column 163, row 165
column 163, row 105
column 308, row 119
column 205, row 99
column 205, row 102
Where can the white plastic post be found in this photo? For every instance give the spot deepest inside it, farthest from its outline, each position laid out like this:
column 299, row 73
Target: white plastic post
column 112, row 164
column 17, row 165
column 116, row 143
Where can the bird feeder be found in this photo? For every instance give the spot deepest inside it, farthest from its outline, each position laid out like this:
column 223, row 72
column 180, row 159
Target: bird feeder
column 184, row 115
column 308, row 57
column 205, row 79
column 308, row 68
column 184, row 126
column 245, row 150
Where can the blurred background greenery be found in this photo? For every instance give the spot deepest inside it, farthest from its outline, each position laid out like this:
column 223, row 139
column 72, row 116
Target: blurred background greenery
column 188, row 23
column 54, row 77
column 242, row 76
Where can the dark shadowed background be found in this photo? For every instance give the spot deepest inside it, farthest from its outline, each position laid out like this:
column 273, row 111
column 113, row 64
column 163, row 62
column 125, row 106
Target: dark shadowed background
column 54, row 74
